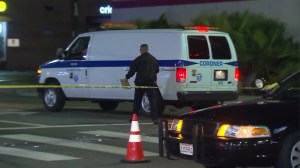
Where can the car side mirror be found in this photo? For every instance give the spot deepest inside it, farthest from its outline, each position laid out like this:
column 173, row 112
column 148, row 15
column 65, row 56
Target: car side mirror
column 60, row 53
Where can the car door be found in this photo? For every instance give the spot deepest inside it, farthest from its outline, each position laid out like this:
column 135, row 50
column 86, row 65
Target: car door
column 75, row 75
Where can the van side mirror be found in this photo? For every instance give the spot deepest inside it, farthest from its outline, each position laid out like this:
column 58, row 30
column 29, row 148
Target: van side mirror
column 60, row 53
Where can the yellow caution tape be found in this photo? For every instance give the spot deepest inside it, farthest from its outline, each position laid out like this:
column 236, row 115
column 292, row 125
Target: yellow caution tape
column 105, row 86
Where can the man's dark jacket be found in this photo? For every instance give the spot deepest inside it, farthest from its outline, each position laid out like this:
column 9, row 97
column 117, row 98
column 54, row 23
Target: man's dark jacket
column 146, row 67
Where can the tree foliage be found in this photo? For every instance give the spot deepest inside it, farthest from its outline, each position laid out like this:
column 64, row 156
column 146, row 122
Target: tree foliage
column 262, row 46
column 160, row 23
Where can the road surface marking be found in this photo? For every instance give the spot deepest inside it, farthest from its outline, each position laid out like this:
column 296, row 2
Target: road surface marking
column 21, row 123
column 18, row 112
column 73, row 144
column 40, row 126
column 34, row 154
column 120, row 135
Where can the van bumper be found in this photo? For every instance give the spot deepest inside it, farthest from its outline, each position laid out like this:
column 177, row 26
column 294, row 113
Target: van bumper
column 207, row 96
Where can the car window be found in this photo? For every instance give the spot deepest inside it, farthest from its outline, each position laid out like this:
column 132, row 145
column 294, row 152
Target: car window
column 198, row 47
column 78, row 50
column 220, row 47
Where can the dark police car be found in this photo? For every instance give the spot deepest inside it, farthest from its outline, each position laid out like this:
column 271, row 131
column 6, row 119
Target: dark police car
column 263, row 132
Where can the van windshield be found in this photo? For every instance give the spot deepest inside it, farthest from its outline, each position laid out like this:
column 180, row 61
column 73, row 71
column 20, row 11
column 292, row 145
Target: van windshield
column 198, row 47
column 78, row 50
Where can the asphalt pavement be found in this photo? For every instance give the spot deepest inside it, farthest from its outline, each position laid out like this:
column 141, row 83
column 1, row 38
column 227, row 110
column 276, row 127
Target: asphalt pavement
column 80, row 136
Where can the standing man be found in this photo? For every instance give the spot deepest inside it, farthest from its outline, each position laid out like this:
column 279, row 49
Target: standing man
column 146, row 67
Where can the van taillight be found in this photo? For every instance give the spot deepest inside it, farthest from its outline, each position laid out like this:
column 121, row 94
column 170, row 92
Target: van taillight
column 181, row 75
column 236, row 74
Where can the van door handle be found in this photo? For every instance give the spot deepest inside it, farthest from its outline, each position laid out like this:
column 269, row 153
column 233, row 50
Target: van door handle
column 86, row 72
column 229, row 82
column 71, row 75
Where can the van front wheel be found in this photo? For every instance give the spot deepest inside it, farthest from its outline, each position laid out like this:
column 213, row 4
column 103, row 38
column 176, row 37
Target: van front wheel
column 53, row 99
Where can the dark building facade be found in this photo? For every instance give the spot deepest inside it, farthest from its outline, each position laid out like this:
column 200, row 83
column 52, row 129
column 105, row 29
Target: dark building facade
column 32, row 30
column 39, row 27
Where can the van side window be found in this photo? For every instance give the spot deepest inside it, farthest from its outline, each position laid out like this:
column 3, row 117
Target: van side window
column 198, row 47
column 78, row 50
column 220, row 47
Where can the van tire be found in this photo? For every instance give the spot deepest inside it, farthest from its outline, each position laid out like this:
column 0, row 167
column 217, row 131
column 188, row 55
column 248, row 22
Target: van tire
column 290, row 149
column 108, row 105
column 53, row 99
column 145, row 105
column 147, row 113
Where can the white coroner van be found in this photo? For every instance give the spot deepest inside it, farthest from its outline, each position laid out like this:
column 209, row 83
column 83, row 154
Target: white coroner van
column 198, row 68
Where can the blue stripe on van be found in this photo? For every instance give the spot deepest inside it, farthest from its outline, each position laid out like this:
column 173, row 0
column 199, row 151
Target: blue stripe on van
column 233, row 63
column 123, row 63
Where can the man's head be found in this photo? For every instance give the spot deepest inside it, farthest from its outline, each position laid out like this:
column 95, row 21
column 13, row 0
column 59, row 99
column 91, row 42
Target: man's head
column 143, row 48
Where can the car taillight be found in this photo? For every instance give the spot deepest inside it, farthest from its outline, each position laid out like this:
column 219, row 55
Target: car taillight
column 236, row 74
column 181, row 75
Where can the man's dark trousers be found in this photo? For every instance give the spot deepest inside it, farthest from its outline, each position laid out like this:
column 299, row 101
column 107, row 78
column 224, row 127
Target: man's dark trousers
column 151, row 93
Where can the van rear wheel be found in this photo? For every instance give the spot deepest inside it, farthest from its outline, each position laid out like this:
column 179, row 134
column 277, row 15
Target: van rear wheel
column 108, row 105
column 53, row 99
column 145, row 105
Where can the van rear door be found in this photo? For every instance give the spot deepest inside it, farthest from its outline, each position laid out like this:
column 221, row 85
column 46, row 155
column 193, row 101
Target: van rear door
column 224, row 63
column 198, row 76
column 214, row 63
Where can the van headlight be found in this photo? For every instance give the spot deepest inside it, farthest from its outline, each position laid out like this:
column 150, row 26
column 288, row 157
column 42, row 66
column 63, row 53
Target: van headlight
column 240, row 131
column 39, row 71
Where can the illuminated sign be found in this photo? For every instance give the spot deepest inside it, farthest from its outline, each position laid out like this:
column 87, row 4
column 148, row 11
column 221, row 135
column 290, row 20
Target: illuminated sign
column 3, row 6
column 13, row 42
column 105, row 10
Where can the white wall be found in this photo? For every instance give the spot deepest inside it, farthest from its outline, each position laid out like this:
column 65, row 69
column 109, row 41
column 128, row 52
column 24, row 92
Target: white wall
column 286, row 11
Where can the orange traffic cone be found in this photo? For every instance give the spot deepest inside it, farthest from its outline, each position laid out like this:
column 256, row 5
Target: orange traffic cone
column 135, row 152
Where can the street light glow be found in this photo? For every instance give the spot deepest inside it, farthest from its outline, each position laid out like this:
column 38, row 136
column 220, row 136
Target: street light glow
column 3, row 6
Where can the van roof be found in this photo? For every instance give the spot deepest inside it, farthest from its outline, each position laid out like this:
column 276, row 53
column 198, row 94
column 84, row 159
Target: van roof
column 153, row 31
